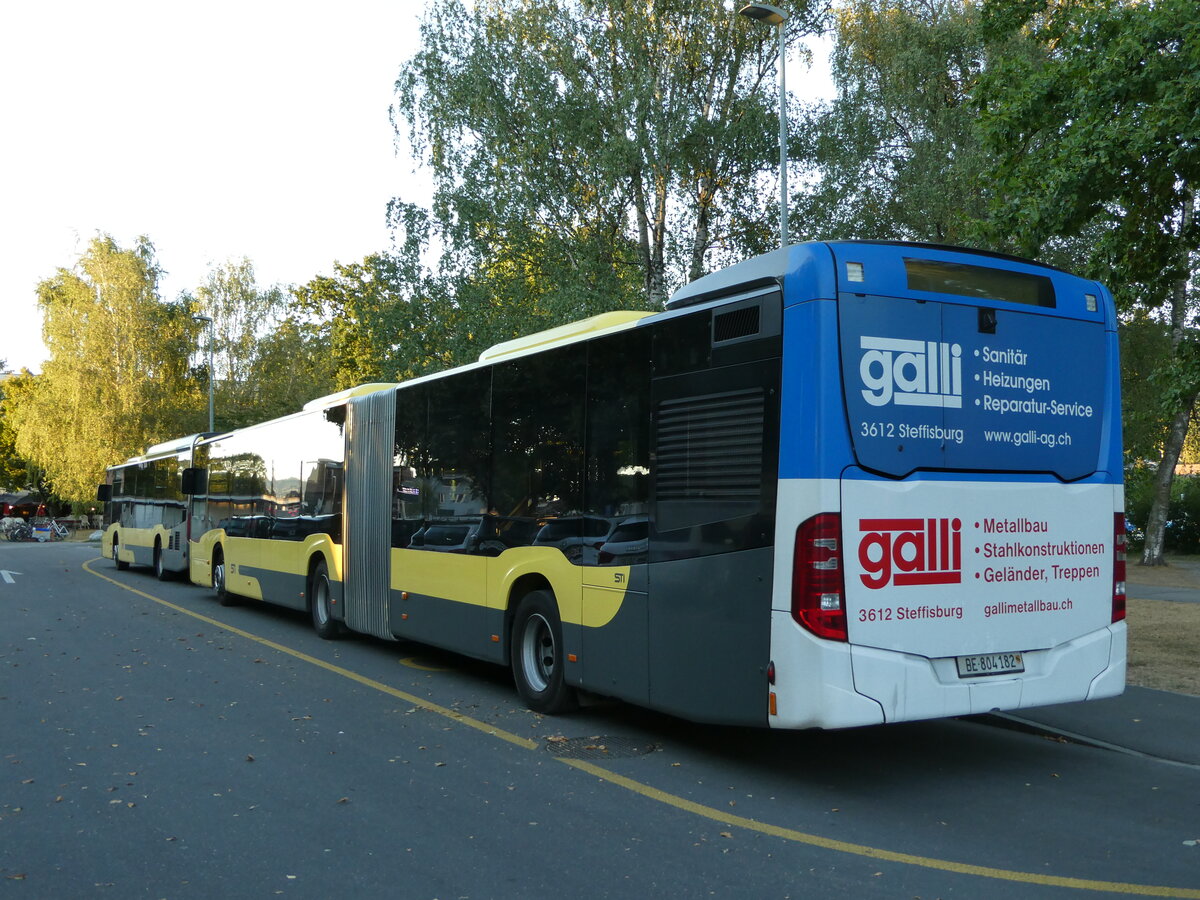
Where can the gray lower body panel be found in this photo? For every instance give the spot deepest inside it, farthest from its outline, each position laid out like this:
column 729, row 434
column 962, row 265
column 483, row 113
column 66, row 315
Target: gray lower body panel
column 710, row 637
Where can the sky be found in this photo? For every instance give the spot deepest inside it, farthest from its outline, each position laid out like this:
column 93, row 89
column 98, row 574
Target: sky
column 220, row 130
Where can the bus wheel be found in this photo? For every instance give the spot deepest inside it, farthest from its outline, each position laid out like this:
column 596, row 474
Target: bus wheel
column 218, row 581
column 537, row 655
column 160, row 571
column 320, row 604
column 121, row 564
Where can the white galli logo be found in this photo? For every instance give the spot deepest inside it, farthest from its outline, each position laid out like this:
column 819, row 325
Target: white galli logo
column 911, row 373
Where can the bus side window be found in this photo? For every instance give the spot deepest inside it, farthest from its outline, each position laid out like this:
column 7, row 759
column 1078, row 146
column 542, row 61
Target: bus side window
column 617, row 486
column 537, row 439
column 412, row 488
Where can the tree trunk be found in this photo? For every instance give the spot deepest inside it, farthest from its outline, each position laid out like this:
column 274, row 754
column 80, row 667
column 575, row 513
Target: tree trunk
column 700, row 238
column 1152, row 551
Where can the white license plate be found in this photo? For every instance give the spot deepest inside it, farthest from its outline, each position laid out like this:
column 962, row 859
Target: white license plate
column 989, row 664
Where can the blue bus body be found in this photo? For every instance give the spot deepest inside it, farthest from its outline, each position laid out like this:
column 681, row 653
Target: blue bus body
column 955, row 418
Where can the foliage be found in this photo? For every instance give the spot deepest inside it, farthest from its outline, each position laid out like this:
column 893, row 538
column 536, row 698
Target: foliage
column 265, row 364
column 15, row 473
column 1098, row 130
column 1145, row 343
column 897, row 153
column 117, row 376
column 1100, row 125
column 292, row 366
column 590, row 154
column 379, row 326
column 1182, row 530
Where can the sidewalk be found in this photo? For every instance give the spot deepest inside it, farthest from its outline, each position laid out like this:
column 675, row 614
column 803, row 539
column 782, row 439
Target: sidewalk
column 1158, row 723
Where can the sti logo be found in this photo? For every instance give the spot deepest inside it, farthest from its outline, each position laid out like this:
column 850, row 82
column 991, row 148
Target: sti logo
column 911, row 373
column 910, row 551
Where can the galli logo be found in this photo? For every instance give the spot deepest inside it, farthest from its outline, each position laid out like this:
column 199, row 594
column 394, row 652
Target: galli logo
column 910, row 551
column 910, row 373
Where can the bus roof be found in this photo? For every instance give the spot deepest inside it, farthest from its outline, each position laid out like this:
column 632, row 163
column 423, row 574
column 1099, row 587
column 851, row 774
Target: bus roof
column 604, row 323
column 818, row 256
column 343, row 396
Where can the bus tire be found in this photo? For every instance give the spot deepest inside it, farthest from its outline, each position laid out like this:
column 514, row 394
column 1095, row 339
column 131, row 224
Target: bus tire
column 121, row 564
column 160, row 570
column 320, row 604
column 218, row 581
column 538, row 660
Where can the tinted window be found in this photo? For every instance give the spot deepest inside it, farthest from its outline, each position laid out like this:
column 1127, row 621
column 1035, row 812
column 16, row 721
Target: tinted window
column 282, row 479
column 618, row 431
column 441, row 466
column 537, row 434
column 979, row 281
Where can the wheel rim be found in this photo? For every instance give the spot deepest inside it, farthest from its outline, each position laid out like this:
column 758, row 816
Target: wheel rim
column 219, row 577
column 538, row 653
column 158, row 563
column 321, row 601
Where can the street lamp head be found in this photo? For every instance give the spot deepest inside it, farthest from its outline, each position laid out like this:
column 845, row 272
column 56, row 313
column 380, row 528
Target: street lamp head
column 763, row 12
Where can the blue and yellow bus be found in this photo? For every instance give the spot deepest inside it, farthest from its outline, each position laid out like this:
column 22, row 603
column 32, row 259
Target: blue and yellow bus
column 838, row 484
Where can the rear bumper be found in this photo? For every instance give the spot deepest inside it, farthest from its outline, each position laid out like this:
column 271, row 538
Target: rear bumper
column 826, row 684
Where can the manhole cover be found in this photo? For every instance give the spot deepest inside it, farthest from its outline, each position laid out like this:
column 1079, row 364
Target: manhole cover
column 597, row 747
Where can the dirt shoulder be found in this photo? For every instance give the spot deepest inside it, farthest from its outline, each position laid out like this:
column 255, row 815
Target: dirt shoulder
column 1164, row 636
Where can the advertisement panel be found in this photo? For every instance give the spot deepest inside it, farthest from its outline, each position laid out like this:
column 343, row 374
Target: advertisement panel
column 954, row 568
column 956, row 386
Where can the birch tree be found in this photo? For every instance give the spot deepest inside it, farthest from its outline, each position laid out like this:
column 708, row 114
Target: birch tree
column 117, row 377
column 594, row 154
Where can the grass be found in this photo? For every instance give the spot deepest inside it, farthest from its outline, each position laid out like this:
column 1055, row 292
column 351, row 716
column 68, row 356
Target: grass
column 1164, row 636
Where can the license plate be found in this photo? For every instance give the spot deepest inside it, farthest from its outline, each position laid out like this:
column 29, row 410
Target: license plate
column 989, row 664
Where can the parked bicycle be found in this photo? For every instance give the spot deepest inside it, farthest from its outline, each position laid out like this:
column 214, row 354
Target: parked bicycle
column 21, row 532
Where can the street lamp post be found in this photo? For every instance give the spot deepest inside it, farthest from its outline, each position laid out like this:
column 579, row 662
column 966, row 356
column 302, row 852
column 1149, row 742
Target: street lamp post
column 211, row 334
column 773, row 15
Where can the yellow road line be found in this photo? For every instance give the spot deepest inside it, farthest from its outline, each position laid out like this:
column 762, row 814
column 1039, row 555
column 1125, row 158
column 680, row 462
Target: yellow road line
column 681, row 803
column 330, row 667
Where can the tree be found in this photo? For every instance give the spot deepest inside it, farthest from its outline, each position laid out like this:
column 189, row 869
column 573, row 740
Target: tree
column 591, row 154
column 116, row 379
column 1098, row 130
column 293, row 365
column 897, row 154
column 15, row 472
column 382, row 321
column 265, row 363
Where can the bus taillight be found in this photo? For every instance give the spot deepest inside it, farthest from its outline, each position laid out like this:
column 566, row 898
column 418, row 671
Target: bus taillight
column 1120, row 542
column 818, row 587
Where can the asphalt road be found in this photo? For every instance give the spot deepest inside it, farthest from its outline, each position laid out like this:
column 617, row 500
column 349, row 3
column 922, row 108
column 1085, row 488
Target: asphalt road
column 153, row 743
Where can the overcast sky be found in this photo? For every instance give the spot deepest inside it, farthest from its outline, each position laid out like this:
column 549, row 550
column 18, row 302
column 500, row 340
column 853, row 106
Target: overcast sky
column 219, row 130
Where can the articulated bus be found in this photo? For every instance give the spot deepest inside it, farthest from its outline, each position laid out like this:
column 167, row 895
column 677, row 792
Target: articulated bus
column 835, row 485
column 147, row 512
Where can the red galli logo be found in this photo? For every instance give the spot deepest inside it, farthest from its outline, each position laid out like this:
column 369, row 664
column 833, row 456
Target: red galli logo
column 910, row 551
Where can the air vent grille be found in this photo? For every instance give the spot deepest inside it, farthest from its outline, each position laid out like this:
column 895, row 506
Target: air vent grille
column 710, row 447
column 736, row 324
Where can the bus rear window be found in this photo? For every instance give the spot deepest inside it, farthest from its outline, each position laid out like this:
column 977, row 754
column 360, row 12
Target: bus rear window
column 979, row 281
